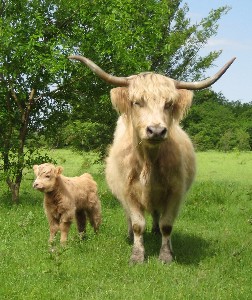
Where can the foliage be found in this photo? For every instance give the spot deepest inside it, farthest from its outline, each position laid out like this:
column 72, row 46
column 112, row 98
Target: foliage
column 215, row 123
column 211, row 242
column 86, row 136
column 133, row 37
column 231, row 140
column 29, row 66
column 40, row 89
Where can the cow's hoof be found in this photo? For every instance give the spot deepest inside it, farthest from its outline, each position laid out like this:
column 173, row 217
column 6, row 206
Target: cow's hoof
column 137, row 256
column 165, row 255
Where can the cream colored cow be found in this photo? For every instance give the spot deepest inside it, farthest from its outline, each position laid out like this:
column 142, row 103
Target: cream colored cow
column 151, row 163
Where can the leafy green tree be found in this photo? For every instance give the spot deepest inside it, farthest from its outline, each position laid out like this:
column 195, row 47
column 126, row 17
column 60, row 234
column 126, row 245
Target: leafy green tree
column 243, row 114
column 29, row 67
column 234, row 140
column 227, row 141
column 86, row 136
column 135, row 36
column 208, row 119
column 40, row 89
column 215, row 123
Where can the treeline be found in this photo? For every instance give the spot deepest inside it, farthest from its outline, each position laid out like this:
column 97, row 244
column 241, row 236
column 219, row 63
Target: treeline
column 213, row 123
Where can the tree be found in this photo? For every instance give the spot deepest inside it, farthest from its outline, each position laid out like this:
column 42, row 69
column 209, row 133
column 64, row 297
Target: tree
column 215, row 123
column 29, row 50
column 135, row 36
column 243, row 114
column 40, row 88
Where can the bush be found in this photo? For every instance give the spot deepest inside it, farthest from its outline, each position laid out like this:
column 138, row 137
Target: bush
column 234, row 139
column 86, row 136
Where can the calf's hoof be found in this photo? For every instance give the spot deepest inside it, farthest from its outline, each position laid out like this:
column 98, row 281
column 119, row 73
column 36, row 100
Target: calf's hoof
column 165, row 255
column 63, row 243
column 137, row 256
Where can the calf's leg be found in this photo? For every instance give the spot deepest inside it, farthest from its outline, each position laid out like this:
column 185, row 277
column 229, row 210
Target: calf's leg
column 81, row 220
column 94, row 211
column 130, row 229
column 64, row 229
column 54, row 228
column 94, row 216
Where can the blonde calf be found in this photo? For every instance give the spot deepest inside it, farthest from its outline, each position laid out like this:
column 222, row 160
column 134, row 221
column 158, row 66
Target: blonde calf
column 66, row 198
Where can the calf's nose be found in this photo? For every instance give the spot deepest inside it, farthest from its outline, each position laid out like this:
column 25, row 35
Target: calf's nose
column 35, row 184
column 156, row 132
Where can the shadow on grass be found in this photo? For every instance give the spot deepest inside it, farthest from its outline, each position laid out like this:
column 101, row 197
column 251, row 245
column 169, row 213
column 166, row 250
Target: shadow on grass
column 188, row 249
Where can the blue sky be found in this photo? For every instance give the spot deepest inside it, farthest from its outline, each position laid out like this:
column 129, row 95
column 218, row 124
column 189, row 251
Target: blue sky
column 234, row 38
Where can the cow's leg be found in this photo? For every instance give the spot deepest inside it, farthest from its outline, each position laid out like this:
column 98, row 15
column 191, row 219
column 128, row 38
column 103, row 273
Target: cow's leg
column 64, row 229
column 165, row 254
column 155, row 222
column 138, row 227
column 166, row 222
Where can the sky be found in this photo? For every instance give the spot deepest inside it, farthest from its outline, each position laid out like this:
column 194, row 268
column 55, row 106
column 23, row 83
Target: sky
column 234, row 38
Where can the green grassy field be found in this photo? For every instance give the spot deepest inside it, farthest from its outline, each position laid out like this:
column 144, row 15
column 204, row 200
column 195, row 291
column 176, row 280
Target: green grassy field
column 212, row 241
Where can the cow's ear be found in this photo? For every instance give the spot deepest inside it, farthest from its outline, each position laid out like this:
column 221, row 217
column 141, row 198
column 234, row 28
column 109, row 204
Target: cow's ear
column 182, row 104
column 35, row 169
column 120, row 99
column 58, row 170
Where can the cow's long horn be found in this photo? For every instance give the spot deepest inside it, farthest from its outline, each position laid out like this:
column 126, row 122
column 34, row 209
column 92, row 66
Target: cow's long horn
column 198, row 85
column 114, row 80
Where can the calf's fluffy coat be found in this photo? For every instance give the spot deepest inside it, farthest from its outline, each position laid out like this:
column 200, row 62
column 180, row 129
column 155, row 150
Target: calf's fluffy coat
column 66, row 198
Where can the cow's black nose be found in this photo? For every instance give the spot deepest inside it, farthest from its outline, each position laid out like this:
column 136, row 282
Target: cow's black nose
column 156, row 132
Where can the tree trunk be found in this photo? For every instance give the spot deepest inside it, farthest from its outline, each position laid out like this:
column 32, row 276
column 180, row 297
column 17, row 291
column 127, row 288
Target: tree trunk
column 15, row 182
column 15, row 188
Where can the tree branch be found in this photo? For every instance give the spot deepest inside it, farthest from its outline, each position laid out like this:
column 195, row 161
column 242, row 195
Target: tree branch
column 14, row 95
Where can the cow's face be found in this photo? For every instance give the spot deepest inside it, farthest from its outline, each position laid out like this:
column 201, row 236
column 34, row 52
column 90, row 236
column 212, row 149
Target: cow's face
column 153, row 105
column 46, row 177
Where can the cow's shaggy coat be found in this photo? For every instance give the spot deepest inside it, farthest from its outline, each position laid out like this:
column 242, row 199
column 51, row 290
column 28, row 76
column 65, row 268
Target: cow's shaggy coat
column 151, row 163
column 66, row 198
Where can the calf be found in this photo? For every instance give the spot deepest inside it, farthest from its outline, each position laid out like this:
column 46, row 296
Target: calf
column 66, row 198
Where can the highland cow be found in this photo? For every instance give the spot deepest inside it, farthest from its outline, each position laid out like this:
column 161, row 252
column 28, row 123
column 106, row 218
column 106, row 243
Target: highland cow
column 151, row 163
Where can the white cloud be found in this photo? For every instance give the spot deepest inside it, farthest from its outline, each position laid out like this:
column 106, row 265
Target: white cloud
column 226, row 43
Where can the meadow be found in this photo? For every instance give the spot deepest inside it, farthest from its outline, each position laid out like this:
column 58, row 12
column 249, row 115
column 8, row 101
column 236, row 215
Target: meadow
column 212, row 241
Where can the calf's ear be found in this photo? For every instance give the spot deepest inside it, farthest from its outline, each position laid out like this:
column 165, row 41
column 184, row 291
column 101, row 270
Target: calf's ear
column 58, row 170
column 35, row 169
column 120, row 99
column 182, row 104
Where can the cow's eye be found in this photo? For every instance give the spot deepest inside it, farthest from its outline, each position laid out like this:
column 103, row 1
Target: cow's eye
column 138, row 103
column 168, row 105
column 48, row 176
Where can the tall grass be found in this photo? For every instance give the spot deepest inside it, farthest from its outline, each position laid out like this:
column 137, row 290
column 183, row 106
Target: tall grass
column 212, row 241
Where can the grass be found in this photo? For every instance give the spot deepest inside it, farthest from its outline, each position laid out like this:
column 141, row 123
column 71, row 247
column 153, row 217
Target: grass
column 212, row 241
